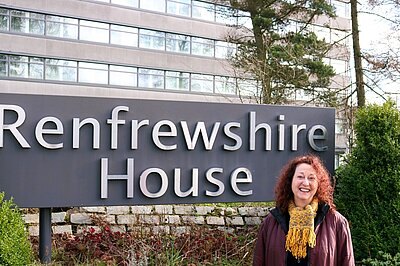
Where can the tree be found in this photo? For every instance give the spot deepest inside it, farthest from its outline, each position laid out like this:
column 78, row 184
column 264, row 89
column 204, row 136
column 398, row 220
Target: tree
column 382, row 62
column 280, row 59
column 368, row 184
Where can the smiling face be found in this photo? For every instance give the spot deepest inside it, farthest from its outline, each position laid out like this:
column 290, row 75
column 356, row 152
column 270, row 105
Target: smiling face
column 304, row 184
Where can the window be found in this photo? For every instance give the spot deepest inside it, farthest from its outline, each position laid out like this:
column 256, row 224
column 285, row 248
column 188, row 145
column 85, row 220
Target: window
column 151, row 78
column 123, row 76
column 203, row 10
column 124, row 35
column 93, row 73
column 177, row 81
column 244, row 19
column 339, row 37
column 151, row 39
column 62, row 70
column 178, row 43
column 62, row 27
column 202, row 83
column 224, row 50
column 154, row 5
column 4, row 19
column 248, row 88
column 341, row 9
column 323, row 33
column 203, row 47
column 94, row 31
column 3, row 65
column 27, row 22
column 225, row 15
column 339, row 66
column 26, row 67
column 179, row 7
column 225, row 85
column 131, row 3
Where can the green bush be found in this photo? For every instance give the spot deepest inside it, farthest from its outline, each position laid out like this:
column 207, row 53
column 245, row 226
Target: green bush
column 383, row 259
column 368, row 184
column 15, row 248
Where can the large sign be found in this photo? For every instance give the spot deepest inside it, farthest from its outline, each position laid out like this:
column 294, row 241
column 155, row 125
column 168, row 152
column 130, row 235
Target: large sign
column 58, row 151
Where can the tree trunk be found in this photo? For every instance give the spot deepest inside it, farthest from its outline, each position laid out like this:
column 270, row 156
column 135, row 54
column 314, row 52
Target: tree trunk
column 357, row 55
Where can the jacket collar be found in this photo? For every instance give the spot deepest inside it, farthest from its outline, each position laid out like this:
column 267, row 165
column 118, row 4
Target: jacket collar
column 283, row 218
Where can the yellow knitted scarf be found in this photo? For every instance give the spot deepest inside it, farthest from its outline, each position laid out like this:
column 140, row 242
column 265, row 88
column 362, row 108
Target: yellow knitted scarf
column 301, row 229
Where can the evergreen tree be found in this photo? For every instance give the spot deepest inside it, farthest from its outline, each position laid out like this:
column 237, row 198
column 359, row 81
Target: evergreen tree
column 280, row 58
column 368, row 185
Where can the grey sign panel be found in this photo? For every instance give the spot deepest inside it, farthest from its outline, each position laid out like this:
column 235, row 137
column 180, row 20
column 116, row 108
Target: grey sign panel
column 61, row 151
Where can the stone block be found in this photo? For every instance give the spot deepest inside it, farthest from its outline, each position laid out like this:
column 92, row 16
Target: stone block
column 214, row 220
column 164, row 209
column 204, row 210
column 161, row 229
column 80, row 218
column 94, row 209
column 184, row 210
column 192, row 219
column 58, row 217
column 127, row 219
column 252, row 220
column 141, row 209
column 31, row 218
column 116, row 210
column 149, row 219
column 62, row 229
column 33, row 230
column 170, row 219
column 236, row 221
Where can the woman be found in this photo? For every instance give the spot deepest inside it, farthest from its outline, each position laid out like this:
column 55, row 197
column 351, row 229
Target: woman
column 304, row 228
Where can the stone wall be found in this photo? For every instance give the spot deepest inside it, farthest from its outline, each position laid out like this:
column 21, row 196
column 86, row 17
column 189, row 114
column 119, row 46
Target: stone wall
column 171, row 219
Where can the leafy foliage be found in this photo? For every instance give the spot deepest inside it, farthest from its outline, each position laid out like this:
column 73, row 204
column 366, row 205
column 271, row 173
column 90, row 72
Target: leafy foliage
column 280, row 58
column 383, row 259
column 15, row 248
column 200, row 246
column 368, row 185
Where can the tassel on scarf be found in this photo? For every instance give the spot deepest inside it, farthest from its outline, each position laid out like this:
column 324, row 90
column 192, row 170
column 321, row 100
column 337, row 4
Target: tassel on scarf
column 301, row 229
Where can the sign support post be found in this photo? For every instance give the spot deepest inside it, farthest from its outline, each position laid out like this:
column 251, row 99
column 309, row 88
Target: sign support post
column 45, row 235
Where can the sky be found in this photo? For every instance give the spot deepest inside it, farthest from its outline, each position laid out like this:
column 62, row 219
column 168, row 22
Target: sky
column 373, row 37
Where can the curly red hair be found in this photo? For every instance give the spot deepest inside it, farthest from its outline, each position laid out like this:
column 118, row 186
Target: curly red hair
column 283, row 188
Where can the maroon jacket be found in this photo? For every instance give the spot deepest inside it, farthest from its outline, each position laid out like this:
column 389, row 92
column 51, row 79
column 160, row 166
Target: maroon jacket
column 333, row 245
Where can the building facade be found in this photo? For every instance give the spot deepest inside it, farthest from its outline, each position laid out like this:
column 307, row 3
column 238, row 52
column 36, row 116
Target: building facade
column 143, row 49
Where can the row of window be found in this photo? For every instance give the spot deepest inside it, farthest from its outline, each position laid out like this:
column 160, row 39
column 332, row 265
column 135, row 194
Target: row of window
column 16, row 66
column 204, row 10
column 79, row 29
column 63, row 27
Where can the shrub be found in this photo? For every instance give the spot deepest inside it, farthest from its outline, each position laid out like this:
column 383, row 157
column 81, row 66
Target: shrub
column 368, row 184
column 383, row 259
column 15, row 248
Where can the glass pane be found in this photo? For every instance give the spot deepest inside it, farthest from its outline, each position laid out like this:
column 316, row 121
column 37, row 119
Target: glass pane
column 18, row 66
column 248, row 88
column 19, row 21
column 124, row 35
column 4, row 19
column 224, row 50
column 202, row 83
column 177, row 81
column 154, row 5
column 225, row 15
column 36, row 24
column 93, row 73
column 225, row 85
column 178, row 43
column 131, row 3
column 179, row 7
column 94, row 31
column 36, row 67
column 3, row 65
column 61, row 70
column 203, row 11
column 203, row 47
column 62, row 27
column 149, row 78
column 152, row 39
column 124, row 76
